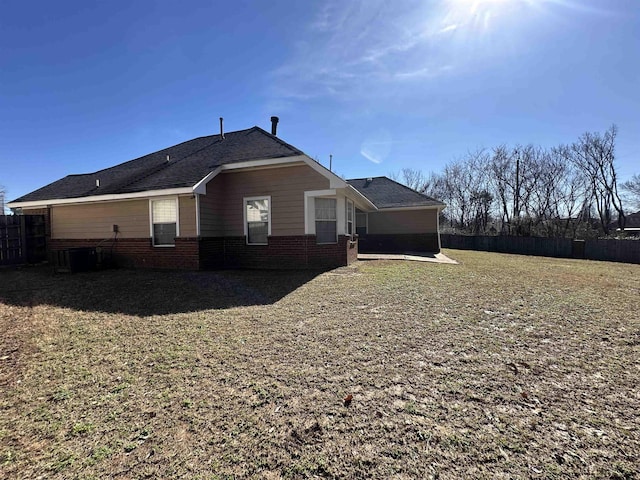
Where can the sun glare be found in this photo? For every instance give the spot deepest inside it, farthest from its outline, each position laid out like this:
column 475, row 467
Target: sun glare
column 479, row 15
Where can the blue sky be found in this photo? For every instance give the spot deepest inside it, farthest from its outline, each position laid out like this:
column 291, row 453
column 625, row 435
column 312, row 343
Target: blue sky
column 381, row 85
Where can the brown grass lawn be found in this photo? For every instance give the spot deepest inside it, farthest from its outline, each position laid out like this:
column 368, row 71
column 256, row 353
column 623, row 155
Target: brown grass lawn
column 504, row 366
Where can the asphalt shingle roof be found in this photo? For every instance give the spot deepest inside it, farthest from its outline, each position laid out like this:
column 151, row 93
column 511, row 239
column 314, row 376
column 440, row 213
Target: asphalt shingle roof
column 189, row 162
column 386, row 193
column 630, row 221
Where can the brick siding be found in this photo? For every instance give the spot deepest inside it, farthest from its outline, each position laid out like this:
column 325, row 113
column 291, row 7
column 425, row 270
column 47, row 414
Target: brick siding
column 139, row 252
column 282, row 252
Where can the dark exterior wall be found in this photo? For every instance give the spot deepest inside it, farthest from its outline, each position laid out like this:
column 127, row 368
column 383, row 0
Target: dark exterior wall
column 399, row 243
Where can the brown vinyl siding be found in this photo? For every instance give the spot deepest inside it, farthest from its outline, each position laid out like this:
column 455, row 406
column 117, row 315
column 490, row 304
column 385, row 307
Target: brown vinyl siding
column 187, row 216
column 96, row 220
column 211, row 205
column 403, row 221
column 221, row 210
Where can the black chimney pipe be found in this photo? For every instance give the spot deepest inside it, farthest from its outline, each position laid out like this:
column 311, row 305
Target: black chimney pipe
column 274, row 125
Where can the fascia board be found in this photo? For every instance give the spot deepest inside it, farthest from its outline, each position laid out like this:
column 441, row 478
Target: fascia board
column 201, row 186
column 334, row 180
column 359, row 199
column 262, row 163
column 103, row 198
column 420, row 207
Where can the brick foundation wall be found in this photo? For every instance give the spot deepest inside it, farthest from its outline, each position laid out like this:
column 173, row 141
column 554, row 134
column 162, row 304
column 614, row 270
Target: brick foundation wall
column 139, row 252
column 399, row 243
column 286, row 252
column 211, row 253
column 282, row 252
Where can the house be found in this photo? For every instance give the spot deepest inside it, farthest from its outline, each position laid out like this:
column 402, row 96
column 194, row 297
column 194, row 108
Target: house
column 631, row 224
column 403, row 220
column 237, row 199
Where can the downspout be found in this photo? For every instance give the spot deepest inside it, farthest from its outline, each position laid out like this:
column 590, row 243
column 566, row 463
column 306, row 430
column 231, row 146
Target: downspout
column 438, row 228
column 197, row 198
column 197, row 195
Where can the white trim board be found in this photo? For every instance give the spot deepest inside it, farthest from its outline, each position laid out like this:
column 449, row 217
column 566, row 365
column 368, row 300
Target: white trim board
column 104, row 198
column 423, row 207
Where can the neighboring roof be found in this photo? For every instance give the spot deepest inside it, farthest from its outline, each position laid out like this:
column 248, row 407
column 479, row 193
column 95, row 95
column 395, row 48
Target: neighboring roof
column 386, row 193
column 631, row 222
column 189, row 162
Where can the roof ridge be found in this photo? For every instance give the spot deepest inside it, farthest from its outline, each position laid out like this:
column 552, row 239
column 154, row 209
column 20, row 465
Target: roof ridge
column 276, row 138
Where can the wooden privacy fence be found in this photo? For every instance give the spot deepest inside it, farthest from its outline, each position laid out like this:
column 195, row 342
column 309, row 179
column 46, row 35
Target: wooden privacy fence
column 22, row 239
column 602, row 249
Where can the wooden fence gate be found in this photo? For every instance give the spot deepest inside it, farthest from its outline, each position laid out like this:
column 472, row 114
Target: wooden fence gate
column 22, row 239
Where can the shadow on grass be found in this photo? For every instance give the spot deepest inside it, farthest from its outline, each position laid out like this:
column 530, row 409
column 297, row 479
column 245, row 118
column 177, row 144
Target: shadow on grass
column 140, row 292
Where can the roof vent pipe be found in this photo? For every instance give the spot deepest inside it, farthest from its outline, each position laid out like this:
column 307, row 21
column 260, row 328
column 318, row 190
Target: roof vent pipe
column 274, row 125
column 221, row 130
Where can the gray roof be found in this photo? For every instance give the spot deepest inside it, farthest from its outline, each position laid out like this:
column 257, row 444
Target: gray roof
column 386, row 193
column 631, row 220
column 189, row 162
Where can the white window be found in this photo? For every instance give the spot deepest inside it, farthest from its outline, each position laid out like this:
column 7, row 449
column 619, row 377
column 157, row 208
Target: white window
column 257, row 220
column 326, row 231
column 164, row 222
column 349, row 217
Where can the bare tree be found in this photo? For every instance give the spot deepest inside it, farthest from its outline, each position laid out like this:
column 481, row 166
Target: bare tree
column 434, row 186
column 410, row 177
column 515, row 176
column 465, row 187
column 572, row 198
column 477, row 166
column 501, row 178
column 529, row 190
column 594, row 154
column 632, row 189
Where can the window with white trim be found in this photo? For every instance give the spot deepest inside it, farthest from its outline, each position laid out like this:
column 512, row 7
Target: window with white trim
column 326, row 220
column 164, row 222
column 257, row 214
column 349, row 218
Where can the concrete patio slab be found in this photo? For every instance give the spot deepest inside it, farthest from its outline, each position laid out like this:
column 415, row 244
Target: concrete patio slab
column 411, row 256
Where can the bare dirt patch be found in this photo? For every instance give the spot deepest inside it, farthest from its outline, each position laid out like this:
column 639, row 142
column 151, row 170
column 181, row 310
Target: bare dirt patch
column 503, row 366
